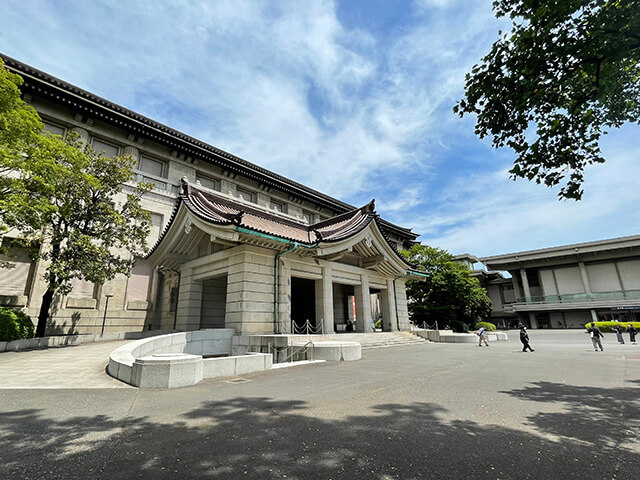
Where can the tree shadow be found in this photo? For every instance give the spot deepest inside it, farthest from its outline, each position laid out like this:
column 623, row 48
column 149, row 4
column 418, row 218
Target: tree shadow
column 268, row 439
column 56, row 328
column 607, row 418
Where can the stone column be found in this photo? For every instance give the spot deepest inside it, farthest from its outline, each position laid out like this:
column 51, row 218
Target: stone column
column 324, row 301
column 516, row 285
column 250, row 291
column 525, row 284
column 363, row 305
column 189, row 302
column 132, row 152
column 83, row 135
column 594, row 316
column 284, row 297
column 532, row 320
column 585, row 278
column 388, row 304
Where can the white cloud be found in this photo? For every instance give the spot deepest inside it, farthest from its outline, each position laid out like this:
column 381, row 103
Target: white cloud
column 350, row 112
column 489, row 216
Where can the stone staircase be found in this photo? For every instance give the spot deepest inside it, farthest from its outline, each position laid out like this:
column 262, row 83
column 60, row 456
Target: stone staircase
column 382, row 339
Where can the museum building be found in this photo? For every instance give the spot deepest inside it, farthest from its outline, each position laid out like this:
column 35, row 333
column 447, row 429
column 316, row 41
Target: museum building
column 570, row 285
column 232, row 244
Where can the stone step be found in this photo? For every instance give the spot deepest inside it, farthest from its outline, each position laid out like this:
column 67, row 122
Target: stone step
column 382, row 339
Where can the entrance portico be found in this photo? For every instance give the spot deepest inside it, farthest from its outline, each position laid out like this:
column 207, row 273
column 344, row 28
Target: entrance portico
column 260, row 273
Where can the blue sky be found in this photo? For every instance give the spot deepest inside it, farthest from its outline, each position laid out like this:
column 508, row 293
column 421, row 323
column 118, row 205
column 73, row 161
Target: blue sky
column 352, row 98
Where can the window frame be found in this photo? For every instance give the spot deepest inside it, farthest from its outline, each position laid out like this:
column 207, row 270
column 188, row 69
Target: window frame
column 245, row 191
column 117, row 147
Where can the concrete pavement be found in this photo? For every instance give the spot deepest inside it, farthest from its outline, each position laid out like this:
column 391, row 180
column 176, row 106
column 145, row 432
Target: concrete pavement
column 76, row 366
column 420, row 411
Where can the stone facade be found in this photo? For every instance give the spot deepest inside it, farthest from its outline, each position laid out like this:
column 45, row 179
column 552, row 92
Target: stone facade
column 568, row 286
column 209, row 276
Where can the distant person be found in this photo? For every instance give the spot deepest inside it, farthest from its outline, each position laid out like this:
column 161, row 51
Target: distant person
column 596, row 335
column 619, row 331
column 524, row 338
column 482, row 337
column 632, row 333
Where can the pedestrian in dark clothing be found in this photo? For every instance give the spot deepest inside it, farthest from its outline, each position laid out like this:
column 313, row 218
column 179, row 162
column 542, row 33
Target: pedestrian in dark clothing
column 632, row 333
column 524, row 338
column 596, row 335
column 619, row 331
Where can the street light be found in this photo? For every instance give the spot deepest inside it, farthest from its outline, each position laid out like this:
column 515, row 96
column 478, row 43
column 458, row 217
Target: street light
column 106, row 305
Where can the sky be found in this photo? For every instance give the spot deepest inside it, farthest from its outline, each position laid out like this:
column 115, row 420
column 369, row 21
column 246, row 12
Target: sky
column 353, row 98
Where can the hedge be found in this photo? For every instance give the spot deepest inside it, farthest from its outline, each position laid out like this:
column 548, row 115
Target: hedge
column 490, row 327
column 15, row 325
column 608, row 326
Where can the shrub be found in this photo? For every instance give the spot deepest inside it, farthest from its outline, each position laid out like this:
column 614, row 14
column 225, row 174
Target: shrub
column 14, row 325
column 609, row 326
column 489, row 327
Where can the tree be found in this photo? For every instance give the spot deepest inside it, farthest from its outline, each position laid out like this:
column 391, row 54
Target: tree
column 449, row 294
column 549, row 89
column 59, row 194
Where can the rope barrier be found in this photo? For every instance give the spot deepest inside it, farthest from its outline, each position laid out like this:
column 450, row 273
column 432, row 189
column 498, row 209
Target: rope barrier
column 307, row 328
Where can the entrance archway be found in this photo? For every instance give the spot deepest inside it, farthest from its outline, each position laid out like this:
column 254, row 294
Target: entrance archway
column 303, row 306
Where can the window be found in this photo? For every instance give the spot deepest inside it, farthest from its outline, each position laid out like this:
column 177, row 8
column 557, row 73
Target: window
column 81, row 288
column 244, row 195
column 277, row 206
column 173, row 299
column 138, row 284
column 54, row 129
column 106, row 149
column 156, row 219
column 155, row 168
column 307, row 216
column 152, row 166
column 15, row 280
column 207, row 182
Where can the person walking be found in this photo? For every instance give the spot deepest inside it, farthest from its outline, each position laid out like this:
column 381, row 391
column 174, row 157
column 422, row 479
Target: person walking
column 524, row 338
column 596, row 335
column 632, row 333
column 482, row 337
column 619, row 331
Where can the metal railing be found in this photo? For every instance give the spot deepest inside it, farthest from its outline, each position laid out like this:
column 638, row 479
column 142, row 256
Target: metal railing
column 307, row 328
column 582, row 297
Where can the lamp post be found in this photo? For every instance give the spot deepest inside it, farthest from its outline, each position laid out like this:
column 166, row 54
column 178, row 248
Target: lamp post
column 106, row 306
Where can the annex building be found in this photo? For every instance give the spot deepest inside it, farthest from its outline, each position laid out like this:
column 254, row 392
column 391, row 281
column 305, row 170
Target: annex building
column 568, row 286
column 232, row 244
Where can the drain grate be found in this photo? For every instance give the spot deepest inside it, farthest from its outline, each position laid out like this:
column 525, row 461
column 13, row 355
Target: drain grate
column 237, row 380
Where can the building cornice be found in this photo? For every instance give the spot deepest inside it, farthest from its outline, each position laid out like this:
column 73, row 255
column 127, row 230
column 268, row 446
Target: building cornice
column 574, row 251
column 39, row 83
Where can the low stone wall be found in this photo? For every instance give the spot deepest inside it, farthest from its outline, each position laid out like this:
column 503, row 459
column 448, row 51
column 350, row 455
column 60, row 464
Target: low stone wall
column 62, row 340
column 318, row 347
column 176, row 360
column 447, row 336
column 333, row 351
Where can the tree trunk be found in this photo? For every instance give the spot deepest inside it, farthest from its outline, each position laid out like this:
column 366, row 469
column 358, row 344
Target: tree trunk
column 43, row 316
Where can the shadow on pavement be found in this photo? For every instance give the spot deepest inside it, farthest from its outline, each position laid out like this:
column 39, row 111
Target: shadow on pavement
column 267, row 439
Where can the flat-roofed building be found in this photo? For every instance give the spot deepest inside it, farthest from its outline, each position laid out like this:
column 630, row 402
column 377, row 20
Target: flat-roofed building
column 499, row 289
column 570, row 285
column 234, row 244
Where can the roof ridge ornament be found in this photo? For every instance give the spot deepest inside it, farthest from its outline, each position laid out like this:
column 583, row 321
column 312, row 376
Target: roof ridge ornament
column 370, row 207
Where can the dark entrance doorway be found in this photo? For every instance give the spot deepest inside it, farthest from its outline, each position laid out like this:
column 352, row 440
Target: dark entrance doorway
column 303, row 306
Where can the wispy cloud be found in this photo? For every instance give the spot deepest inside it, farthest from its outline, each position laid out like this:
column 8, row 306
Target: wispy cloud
column 353, row 111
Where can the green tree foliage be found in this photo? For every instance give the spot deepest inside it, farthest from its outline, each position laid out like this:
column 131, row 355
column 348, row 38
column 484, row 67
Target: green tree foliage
column 58, row 193
column 449, row 295
column 567, row 71
column 14, row 325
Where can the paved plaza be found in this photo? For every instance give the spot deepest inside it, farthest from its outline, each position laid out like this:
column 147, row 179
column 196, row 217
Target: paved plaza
column 418, row 411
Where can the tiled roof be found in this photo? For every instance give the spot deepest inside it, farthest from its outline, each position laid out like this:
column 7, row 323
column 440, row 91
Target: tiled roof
column 220, row 210
column 43, row 84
